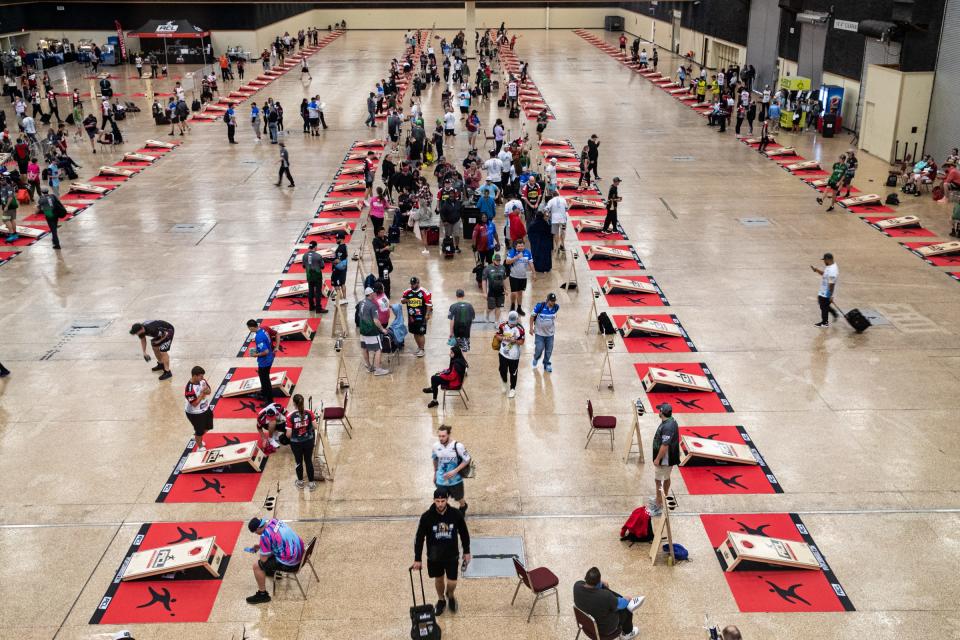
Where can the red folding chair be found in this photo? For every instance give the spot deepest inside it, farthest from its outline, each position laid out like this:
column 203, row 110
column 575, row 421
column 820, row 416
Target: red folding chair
column 541, row 581
column 599, row 424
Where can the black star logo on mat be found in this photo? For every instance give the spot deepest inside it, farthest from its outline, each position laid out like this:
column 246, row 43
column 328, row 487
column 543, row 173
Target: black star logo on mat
column 688, row 404
column 213, row 485
column 637, row 300
column 246, row 406
column 660, row 346
column 731, row 482
column 298, row 302
column 615, row 265
column 230, row 440
column 186, row 536
column 753, row 531
column 789, row 594
column 951, row 258
column 163, row 599
column 712, row 436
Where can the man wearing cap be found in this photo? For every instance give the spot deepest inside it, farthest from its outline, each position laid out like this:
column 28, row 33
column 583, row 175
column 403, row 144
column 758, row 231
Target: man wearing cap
column 338, row 277
column 487, row 202
column 271, row 420
column 610, row 222
column 492, row 280
column 550, row 174
column 419, row 304
column 264, row 350
column 284, row 165
column 313, row 267
column 371, row 329
column 439, row 527
column 543, row 325
column 828, row 285
column 281, row 549
column 494, row 170
column 666, row 455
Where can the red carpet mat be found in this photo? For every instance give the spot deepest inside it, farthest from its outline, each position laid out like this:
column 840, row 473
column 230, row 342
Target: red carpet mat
column 586, row 212
column 870, row 209
column 898, row 232
column 614, row 265
column 236, row 483
column 6, row 256
column 22, row 241
column 291, row 346
column 656, row 344
column 712, row 477
column 596, row 236
column 297, row 267
column 634, row 299
column 771, row 590
column 687, row 401
column 947, row 260
column 293, row 303
column 247, row 407
column 188, row 596
column 108, row 180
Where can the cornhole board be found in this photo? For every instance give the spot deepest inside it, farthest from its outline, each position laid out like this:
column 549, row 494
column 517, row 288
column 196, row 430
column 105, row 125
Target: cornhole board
column 580, row 202
column 653, row 334
column 139, row 157
column 290, row 291
column 610, row 258
column 556, row 153
column 350, row 204
column 249, row 386
column 230, row 102
column 866, row 199
column 803, row 166
column 240, row 93
column 294, row 302
column 348, row 185
column 634, row 327
column 295, row 262
column 72, row 210
column 553, row 142
column 243, row 453
column 704, row 475
column 782, row 151
column 588, row 225
column 175, row 557
column 116, row 171
column 895, row 223
column 204, row 117
column 568, row 167
column 232, row 483
column 295, row 337
column 717, row 450
column 30, row 232
column 325, row 252
column 186, row 596
column 657, row 378
column 678, row 91
column 369, row 143
column 85, row 187
column 329, row 228
column 777, row 552
column 939, row 249
column 629, row 286
column 691, row 398
column 770, row 139
column 160, row 145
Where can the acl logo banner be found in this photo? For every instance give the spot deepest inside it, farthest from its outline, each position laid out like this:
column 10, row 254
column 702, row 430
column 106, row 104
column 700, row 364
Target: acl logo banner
column 169, row 27
column 123, row 45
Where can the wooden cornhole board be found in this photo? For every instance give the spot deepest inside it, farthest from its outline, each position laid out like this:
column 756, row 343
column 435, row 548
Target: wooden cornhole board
column 822, row 182
column 553, row 142
column 758, row 140
column 806, row 164
column 297, row 328
column 350, row 204
column 247, row 386
column 228, row 101
column 327, row 253
column 328, row 228
column 656, row 377
column 678, row 91
column 691, row 447
column 116, row 171
column 939, row 249
column 782, row 151
column 369, row 143
column 569, row 183
column 175, row 557
column 351, row 185
column 239, row 94
column 608, row 253
column 215, row 108
column 362, row 155
column 156, row 144
column 635, row 328
column 571, row 167
column 585, row 203
column 894, row 223
column 623, row 285
column 352, row 170
column 29, row 232
column 138, row 157
column 547, row 153
column 243, row 453
column 744, row 547
column 869, row 198
column 71, row 210
column 588, row 225
column 292, row 291
column 85, row 187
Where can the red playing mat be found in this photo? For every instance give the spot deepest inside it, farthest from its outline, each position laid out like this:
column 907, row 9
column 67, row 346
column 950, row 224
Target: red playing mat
column 186, row 597
column 955, row 275
column 247, row 407
column 948, row 260
column 687, row 401
column 595, row 236
column 297, row 267
column 336, row 214
column 813, row 174
column 634, row 299
column 871, row 209
column 625, row 264
column 703, row 477
column 236, row 483
column 22, row 241
column 654, row 343
column 587, row 213
column 290, row 347
column 153, row 151
column 787, row 159
column 771, row 590
column 136, row 167
column 81, row 197
column 295, row 303
column 6, row 256
column 899, row 232
column 326, row 238
column 108, row 179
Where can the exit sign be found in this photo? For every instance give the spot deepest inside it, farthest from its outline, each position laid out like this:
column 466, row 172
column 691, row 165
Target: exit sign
column 846, row 25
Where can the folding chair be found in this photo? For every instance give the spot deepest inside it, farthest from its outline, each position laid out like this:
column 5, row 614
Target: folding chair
column 541, row 581
column 588, row 626
column 600, row 424
column 456, row 391
column 281, row 574
column 338, row 415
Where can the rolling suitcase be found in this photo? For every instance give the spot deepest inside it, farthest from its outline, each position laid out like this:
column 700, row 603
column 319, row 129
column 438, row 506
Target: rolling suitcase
column 857, row 320
column 423, row 620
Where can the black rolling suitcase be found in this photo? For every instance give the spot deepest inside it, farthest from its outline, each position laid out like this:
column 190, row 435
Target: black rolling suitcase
column 857, row 320
column 423, row 620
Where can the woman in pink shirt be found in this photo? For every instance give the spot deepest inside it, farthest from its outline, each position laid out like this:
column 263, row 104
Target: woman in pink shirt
column 33, row 178
column 378, row 210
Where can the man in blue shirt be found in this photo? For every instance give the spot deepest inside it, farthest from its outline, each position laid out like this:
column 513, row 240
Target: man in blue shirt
column 489, row 187
column 487, row 203
column 543, row 320
column 263, row 349
column 520, row 261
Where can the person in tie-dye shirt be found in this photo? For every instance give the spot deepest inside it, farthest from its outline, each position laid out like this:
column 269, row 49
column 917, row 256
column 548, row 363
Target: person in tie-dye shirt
column 280, row 549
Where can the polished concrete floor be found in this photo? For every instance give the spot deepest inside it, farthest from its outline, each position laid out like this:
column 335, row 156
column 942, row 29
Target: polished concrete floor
column 859, row 429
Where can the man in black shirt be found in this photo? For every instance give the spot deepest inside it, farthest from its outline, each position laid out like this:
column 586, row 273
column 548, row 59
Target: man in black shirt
column 381, row 252
column 593, row 153
column 666, row 455
column 609, row 609
column 161, row 338
column 613, row 198
column 440, row 526
column 313, row 267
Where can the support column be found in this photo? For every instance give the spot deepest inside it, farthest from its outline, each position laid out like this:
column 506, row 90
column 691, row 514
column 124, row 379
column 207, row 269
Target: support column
column 813, row 43
column 763, row 37
column 470, row 8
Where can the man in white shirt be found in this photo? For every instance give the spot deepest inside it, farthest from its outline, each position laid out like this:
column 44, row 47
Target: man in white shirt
column 449, row 123
column 512, row 88
column 29, row 128
column 764, row 102
column 828, row 286
column 556, row 207
column 550, row 173
column 506, row 168
column 494, row 169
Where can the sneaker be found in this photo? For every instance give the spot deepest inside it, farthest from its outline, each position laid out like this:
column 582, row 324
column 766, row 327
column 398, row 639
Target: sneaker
column 548, row 368
column 312, row 486
column 829, row 208
column 300, row 484
column 159, row 367
column 371, row 368
column 258, row 597
column 635, row 603
column 503, row 387
column 521, row 312
column 453, row 604
column 427, row 390
column 275, row 443
column 420, row 353
column 654, row 511
column 822, row 325
column 630, row 636
column 165, row 376
column 511, row 393
column 533, row 363
column 425, row 252
column 432, row 404
column 439, row 607
column 381, row 372
column 819, row 200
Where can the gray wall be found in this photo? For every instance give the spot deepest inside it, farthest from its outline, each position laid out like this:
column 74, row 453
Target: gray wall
column 763, row 40
column 943, row 128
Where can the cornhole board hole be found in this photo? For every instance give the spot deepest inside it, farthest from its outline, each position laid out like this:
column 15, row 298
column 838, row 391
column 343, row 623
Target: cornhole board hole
column 296, row 337
column 370, row 143
column 174, row 558
column 860, row 201
column 295, row 298
column 250, row 386
column 653, row 334
column 779, row 152
column 579, row 202
column 231, row 483
column 86, row 187
column 157, row 144
column 185, row 596
column 244, row 453
column 806, row 165
column 715, row 472
column 688, row 386
column 631, row 291
column 329, row 229
column 948, row 259
column 117, row 172
column 611, row 258
column 244, row 406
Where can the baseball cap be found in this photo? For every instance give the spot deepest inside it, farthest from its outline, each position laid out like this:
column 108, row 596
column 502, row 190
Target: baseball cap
column 440, row 493
column 496, row 257
column 552, row 297
column 341, row 235
column 665, row 408
column 367, row 291
column 254, row 524
column 513, row 317
column 616, row 180
column 553, row 161
column 414, row 279
column 313, row 244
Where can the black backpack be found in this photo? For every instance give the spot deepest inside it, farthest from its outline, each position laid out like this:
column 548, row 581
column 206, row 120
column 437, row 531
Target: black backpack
column 605, row 324
column 892, row 199
column 892, row 180
column 448, row 247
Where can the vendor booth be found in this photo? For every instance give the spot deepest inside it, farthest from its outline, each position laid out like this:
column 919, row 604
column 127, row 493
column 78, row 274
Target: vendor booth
column 174, row 41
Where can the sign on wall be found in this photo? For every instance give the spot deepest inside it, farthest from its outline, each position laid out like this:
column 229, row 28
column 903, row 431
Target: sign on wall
column 846, row 25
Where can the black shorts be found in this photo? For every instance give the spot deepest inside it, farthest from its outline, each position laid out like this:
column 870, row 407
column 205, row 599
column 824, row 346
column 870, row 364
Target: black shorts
column 202, row 422
column 271, row 565
column 338, row 278
column 444, row 567
column 517, row 284
column 394, row 137
column 455, row 491
column 464, row 110
column 164, row 345
column 417, row 327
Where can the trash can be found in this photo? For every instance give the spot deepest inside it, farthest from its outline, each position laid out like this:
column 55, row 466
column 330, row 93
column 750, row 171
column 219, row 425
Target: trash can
column 829, row 125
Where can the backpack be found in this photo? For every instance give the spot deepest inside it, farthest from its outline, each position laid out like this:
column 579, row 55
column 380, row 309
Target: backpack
column 679, row 552
column 448, row 247
column 369, row 281
column 909, row 188
column 605, row 324
column 467, row 471
column 892, row 199
column 892, row 180
column 637, row 527
column 356, row 314
column 449, row 212
column 195, row 105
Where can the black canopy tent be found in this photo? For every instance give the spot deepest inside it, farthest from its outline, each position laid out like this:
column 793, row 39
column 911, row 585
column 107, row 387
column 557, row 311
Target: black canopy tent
column 166, row 30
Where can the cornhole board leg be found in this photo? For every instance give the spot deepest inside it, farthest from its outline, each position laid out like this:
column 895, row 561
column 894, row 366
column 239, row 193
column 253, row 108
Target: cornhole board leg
column 360, row 275
column 175, row 557
column 343, row 375
column 572, row 282
column 592, row 315
column 661, row 532
column 339, row 329
column 606, row 372
column 635, row 435
column 323, row 460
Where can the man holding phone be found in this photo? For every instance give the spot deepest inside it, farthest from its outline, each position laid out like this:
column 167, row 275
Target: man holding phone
column 828, row 286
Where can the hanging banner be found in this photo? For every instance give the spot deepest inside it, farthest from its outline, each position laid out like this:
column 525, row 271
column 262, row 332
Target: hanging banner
column 123, row 45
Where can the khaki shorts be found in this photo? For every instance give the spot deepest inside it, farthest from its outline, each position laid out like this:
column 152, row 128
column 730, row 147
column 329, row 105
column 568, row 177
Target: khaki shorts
column 9, row 214
column 662, row 473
